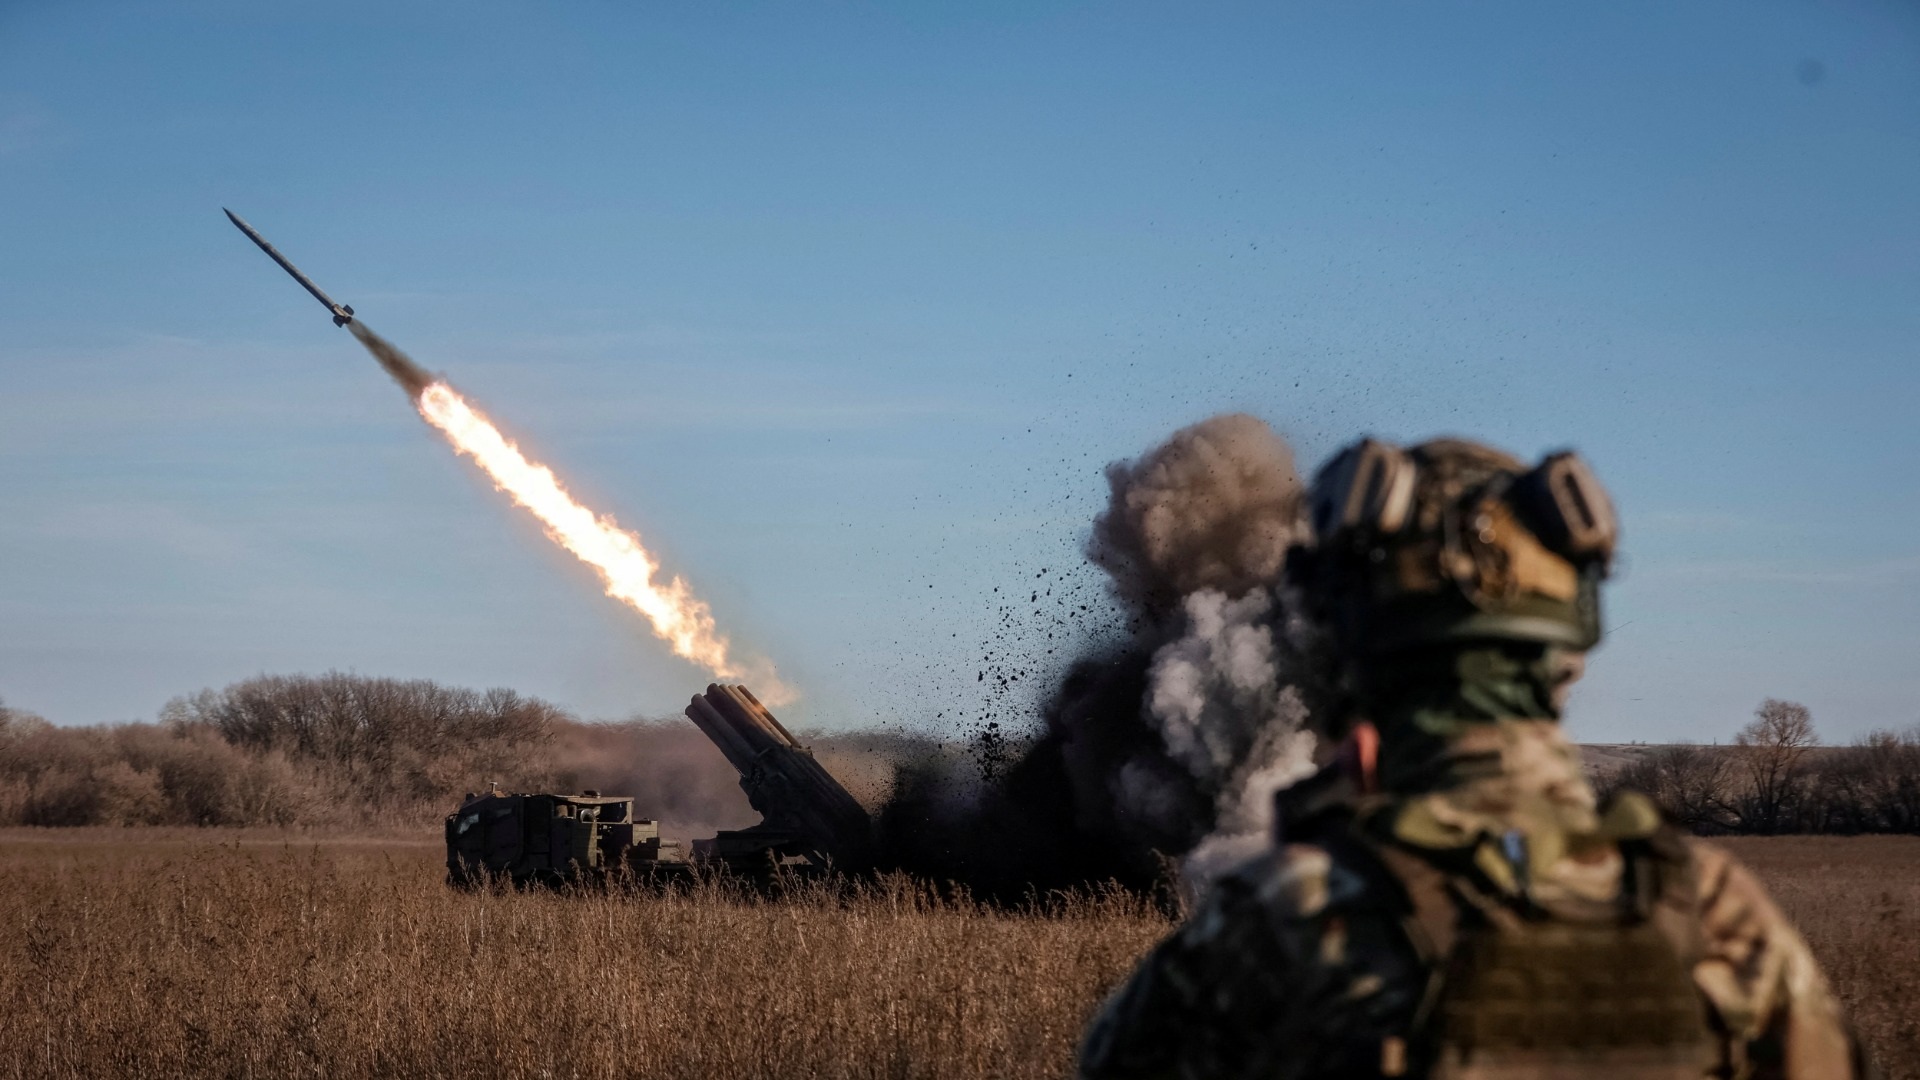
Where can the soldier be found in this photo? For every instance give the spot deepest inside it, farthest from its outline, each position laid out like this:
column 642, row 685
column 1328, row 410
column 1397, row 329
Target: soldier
column 1448, row 899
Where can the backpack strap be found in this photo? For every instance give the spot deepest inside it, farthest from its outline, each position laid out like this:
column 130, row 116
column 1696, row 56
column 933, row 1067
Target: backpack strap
column 1431, row 924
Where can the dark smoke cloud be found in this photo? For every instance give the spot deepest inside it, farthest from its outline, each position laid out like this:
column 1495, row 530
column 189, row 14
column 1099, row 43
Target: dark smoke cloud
column 1214, row 507
column 1161, row 748
column 411, row 376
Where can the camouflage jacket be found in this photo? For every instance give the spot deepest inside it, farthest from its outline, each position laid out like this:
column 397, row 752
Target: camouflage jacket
column 1308, row 961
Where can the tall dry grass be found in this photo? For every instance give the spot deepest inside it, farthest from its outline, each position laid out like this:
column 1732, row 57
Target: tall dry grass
column 134, row 956
column 184, row 953
column 1857, row 901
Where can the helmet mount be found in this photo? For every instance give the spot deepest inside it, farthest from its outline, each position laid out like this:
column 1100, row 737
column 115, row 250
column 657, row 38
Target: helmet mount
column 1452, row 541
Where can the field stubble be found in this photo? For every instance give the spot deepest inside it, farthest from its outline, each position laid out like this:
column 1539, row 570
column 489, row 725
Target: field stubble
column 193, row 954
column 138, row 957
column 1856, row 899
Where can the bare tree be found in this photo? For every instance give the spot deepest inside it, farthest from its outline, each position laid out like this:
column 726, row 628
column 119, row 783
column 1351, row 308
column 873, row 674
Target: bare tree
column 1886, row 775
column 1693, row 784
column 1696, row 785
column 1772, row 750
column 1841, row 795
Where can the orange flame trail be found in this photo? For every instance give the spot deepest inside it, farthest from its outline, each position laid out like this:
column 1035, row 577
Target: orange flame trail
column 626, row 567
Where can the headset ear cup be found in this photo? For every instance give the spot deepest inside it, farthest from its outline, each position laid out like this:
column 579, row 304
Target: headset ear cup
column 1391, row 510
column 1568, row 509
column 1591, row 526
column 1366, row 487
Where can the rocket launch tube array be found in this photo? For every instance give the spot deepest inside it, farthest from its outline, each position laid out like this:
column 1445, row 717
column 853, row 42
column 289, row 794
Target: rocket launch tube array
column 792, row 792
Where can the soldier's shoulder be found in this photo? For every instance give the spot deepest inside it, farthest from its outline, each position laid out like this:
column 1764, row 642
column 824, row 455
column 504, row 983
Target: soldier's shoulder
column 1732, row 902
column 1298, row 881
column 1759, row 974
column 1724, row 885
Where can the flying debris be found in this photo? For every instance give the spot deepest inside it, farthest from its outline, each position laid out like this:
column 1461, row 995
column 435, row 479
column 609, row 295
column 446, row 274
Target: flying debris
column 342, row 315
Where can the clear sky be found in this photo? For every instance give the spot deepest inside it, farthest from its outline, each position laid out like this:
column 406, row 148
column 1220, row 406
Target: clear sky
column 844, row 306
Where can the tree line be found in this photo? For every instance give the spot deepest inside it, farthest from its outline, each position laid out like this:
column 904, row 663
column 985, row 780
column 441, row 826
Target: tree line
column 346, row 750
column 1776, row 778
column 331, row 749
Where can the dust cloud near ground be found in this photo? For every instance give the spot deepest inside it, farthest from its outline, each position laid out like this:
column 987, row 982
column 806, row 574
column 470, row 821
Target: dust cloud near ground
column 679, row 778
column 673, row 773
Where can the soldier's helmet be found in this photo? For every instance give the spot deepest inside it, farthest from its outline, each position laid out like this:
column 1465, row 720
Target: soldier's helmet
column 1450, row 542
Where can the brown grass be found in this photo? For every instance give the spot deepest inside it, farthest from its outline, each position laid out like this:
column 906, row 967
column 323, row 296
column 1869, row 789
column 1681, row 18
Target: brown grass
column 145, row 952
column 1857, row 901
column 130, row 955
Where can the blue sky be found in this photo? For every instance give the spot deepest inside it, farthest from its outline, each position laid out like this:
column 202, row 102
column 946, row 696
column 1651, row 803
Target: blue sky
column 843, row 307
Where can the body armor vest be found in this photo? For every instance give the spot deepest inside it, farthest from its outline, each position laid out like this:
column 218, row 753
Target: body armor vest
column 1518, row 992
column 1555, row 999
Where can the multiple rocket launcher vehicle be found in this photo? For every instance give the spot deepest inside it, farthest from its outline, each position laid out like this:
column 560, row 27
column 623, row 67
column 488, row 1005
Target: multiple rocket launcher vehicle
column 808, row 820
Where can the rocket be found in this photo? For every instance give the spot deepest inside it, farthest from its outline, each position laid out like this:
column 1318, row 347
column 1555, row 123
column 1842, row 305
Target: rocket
column 342, row 315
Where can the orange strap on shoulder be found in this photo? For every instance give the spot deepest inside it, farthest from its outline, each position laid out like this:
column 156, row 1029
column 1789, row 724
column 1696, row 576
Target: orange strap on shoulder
column 1363, row 756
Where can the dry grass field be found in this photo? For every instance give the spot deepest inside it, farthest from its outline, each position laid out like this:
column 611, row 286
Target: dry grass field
column 150, row 952
column 1857, row 901
column 135, row 953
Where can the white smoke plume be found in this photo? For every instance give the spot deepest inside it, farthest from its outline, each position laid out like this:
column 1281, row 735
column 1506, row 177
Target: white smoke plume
column 1223, row 699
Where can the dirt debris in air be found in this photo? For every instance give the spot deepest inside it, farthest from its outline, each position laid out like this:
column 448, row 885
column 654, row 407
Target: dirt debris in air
column 1139, row 707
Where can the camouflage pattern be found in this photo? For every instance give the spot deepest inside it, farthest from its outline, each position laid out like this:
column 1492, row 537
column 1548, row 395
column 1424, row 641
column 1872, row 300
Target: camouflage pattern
column 547, row 839
column 1449, row 900
column 1308, row 961
column 1462, row 544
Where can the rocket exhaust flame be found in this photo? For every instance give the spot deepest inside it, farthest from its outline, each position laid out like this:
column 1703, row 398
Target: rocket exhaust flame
column 625, row 566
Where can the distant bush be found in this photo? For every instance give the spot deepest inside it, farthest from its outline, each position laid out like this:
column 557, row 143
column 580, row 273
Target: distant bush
column 1775, row 778
column 387, row 745
column 278, row 750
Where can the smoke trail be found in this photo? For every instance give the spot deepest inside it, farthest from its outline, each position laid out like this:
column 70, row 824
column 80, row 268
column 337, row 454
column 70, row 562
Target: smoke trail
column 411, row 376
column 625, row 566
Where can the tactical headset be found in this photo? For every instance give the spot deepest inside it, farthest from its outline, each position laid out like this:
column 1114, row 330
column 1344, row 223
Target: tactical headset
column 1453, row 540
